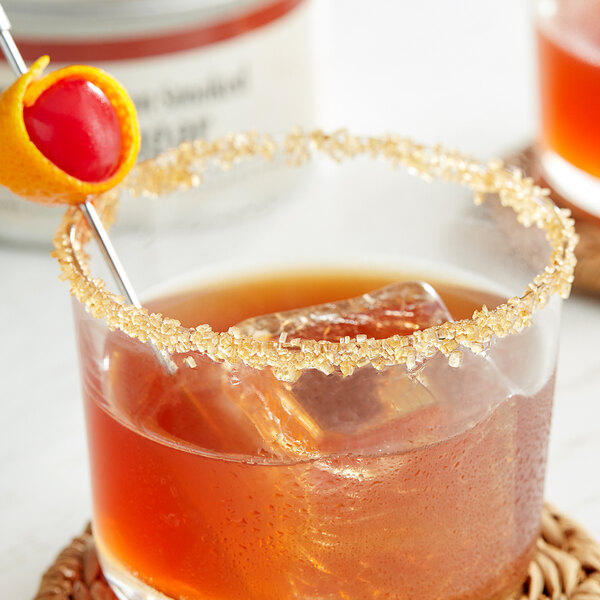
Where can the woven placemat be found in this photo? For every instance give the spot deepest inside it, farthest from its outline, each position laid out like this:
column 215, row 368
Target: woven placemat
column 587, row 270
column 566, row 567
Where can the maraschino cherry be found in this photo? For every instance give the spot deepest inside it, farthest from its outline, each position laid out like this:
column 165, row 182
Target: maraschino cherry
column 74, row 125
column 66, row 136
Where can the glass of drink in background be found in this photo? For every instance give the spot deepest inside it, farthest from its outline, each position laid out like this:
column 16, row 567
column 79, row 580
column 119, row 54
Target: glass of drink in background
column 387, row 445
column 568, row 33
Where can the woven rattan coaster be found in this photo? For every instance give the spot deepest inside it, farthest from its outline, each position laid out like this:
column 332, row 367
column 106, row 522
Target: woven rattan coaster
column 566, row 567
column 587, row 270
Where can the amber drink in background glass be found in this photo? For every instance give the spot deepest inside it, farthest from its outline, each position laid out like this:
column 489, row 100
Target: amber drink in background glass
column 568, row 34
column 363, row 386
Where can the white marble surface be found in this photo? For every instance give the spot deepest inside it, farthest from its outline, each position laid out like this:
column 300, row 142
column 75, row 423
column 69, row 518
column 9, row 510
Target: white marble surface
column 460, row 73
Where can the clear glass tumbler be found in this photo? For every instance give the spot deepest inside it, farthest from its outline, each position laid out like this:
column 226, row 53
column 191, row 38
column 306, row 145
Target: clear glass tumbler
column 393, row 446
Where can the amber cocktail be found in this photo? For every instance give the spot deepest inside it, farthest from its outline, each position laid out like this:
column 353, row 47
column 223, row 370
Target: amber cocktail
column 568, row 35
column 344, row 427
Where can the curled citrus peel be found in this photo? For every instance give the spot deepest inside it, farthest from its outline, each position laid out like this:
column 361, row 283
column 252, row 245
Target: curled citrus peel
column 26, row 170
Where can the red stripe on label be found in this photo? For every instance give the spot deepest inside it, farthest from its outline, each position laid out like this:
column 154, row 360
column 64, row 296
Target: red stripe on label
column 94, row 50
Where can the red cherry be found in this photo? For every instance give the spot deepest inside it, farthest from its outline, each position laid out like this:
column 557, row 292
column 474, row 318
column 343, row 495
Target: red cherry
column 74, row 125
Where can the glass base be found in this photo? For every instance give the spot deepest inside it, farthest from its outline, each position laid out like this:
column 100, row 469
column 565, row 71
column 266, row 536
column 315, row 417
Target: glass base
column 577, row 186
column 124, row 585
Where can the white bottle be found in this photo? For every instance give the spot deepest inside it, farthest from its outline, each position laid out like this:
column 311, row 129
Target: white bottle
column 195, row 69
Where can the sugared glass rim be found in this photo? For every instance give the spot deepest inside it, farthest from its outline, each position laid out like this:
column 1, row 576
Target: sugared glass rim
column 182, row 168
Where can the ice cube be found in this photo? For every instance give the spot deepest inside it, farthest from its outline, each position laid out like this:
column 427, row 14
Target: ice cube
column 322, row 412
column 399, row 308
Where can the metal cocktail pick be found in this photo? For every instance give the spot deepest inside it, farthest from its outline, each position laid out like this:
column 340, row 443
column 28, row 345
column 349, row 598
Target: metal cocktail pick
column 17, row 64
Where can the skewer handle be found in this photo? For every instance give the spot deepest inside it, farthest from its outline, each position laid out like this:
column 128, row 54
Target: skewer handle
column 9, row 48
column 119, row 274
column 109, row 252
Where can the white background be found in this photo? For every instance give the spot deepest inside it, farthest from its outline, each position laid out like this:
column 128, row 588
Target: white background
column 461, row 73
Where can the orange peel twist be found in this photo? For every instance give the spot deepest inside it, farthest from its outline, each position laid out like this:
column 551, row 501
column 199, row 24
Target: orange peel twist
column 25, row 170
